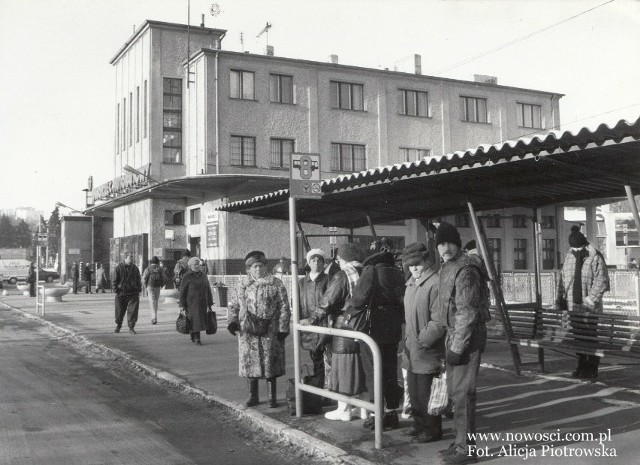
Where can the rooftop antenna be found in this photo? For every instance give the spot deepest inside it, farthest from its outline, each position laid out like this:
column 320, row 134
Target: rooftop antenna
column 265, row 29
column 242, row 41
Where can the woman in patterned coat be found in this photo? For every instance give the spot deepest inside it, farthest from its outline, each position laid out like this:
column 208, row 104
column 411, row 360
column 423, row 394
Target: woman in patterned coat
column 262, row 299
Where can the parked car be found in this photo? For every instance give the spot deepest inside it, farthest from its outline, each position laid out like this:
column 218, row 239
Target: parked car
column 48, row 276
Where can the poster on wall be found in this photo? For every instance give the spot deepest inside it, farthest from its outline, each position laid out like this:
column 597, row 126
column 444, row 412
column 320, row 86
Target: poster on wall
column 212, row 229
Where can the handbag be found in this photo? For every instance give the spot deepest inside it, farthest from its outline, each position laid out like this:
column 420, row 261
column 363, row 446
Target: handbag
column 254, row 325
column 439, row 397
column 359, row 319
column 183, row 325
column 212, row 322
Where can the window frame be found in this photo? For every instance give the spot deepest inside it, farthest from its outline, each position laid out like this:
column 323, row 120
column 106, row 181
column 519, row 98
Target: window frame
column 243, row 155
column 493, row 221
column 548, row 222
column 278, row 87
column 519, row 221
column 462, row 220
column 465, row 114
column 405, row 154
column 548, row 254
column 337, row 102
column 281, row 164
column 170, row 217
column 241, row 84
column 494, row 244
column 193, row 213
column 172, row 131
column 416, row 103
column 527, row 110
column 340, row 157
column 519, row 254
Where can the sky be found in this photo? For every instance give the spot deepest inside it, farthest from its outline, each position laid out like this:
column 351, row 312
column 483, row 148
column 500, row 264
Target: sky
column 57, row 86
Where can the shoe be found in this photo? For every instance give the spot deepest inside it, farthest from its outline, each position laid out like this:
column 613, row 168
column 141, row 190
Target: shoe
column 425, row 437
column 361, row 413
column 369, row 423
column 448, row 451
column 342, row 413
column 198, row 342
column 154, row 321
column 389, row 421
column 459, row 457
column 415, row 430
column 131, row 330
column 117, row 330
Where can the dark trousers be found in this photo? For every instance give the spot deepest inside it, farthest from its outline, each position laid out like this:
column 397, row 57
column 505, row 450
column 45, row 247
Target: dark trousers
column 317, row 358
column 461, row 385
column 87, row 287
column 391, row 391
column 32, row 289
column 127, row 304
column 419, row 385
column 75, row 286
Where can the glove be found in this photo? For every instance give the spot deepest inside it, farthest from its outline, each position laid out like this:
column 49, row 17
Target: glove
column 233, row 327
column 454, row 358
column 282, row 336
column 589, row 303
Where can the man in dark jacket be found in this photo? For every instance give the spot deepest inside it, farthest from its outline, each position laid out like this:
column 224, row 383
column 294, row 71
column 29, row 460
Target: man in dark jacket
column 86, row 277
column 75, row 276
column 381, row 286
column 312, row 287
column 464, row 311
column 127, row 285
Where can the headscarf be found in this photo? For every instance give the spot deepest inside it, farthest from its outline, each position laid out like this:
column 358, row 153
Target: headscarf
column 193, row 260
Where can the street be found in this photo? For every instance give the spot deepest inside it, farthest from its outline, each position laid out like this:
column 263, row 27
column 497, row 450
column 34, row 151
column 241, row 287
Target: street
column 64, row 404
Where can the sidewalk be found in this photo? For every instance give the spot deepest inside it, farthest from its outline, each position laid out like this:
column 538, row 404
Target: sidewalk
column 531, row 403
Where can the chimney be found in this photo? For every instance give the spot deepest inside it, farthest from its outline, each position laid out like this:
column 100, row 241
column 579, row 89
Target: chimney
column 484, row 79
column 333, row 58
column 418, row 63
column 202, row 23
column 270, row 50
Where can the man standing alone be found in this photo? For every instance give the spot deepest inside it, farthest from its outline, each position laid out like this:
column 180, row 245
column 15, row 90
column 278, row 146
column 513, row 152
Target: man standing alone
column 465, row 312
column 127, row 286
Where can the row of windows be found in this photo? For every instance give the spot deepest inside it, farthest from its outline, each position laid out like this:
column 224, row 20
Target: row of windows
column 176, row 217
column 463, row 220
column 520, row 253
column 128, row 122
column 350, row 96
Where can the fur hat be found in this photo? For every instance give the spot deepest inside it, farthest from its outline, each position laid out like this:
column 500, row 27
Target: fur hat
column 448, row 233
column 253, row 257
column 155, row 260
column 414, row 253
column 350, row 252
column 470, row 245
column 192, row 260
column 313, row 252
column 576, row 238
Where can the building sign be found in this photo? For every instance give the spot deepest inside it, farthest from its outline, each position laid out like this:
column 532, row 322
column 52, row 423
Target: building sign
column 212, row 227
column 74, row 251
column 122, row 184
column 304, row 176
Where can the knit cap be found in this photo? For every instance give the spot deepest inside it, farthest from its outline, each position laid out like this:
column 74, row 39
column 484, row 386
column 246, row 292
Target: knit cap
column 576, row 238
column 448, row 233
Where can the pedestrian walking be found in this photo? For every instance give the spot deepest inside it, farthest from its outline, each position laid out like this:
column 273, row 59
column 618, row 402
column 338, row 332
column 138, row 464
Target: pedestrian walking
column 127, row 286
column 102, row 278
column 424, row 340
column 75, row 276
column 259, row 314
column 181, row 268
column 381, row 290
column 465, row 312
column 31, row 279
column 86, row 277
column 153, row 280
column 347, row 374
column 195, row 297
column 312, row 287
column 583, row 281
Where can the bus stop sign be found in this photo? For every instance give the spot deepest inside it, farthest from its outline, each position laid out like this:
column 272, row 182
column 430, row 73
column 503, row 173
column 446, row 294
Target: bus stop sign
column 304, row 176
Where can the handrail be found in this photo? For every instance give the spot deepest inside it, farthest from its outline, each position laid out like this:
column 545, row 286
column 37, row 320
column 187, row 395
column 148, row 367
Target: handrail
column 38, row 294
column 376, row 406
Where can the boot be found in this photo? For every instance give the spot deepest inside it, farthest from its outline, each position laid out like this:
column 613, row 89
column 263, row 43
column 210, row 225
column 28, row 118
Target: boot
column 273, row 399
column 253, row 393
column 342, row 413
column 591, row 372
column 582, row 366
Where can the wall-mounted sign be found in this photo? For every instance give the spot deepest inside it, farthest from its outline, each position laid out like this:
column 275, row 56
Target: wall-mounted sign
column 169, row 234
column 212, row 227
column 74, row 251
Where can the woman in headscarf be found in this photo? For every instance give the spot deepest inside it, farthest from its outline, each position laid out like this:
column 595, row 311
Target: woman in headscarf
column 259, row 314
column 195, row 298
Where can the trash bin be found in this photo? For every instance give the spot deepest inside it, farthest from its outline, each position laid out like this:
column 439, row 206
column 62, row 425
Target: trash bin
column 220, row 295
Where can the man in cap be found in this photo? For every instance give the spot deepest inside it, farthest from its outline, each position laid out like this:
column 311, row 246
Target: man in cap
column 464, row 312
column 583, row 281
column 312, row 287
column 127, row 285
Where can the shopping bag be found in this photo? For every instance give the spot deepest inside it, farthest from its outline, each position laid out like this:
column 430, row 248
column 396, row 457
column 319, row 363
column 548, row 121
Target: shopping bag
column 439, row 398
column 212, row 322
column 183, row 325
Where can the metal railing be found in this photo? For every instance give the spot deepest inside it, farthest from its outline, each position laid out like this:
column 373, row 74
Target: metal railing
column 40, row 305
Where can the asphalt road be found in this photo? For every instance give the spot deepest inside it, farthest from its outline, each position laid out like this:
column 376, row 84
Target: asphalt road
column 61, row 403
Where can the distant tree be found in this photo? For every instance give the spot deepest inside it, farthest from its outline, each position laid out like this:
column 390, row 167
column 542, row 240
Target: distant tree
column 7, row 232
column 54, row 233
column 22, row 234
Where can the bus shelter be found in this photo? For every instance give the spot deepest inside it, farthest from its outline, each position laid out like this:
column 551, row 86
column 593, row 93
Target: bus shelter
column 556, row 168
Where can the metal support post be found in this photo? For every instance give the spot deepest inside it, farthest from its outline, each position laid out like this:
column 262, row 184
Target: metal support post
column 536, row 255
column 295, row 302
column 373, row 229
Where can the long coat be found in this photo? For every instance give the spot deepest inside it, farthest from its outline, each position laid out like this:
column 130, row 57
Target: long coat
column 594, row 280
column 196, row 298
column 424, row 335
column 311, row 292
column 261, row 356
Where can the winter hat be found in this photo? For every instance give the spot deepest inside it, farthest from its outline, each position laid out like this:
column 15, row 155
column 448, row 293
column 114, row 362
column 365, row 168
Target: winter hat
column 350, row 252
column 448, row 233
column 576, row 238
column 414, row 253
column 253, row 257
column 470, row 245
column 155, row 260
column 193, row 260
column 313, row 252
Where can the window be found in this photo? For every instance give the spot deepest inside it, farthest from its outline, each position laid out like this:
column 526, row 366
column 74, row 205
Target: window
column 242, row 84
column 548, row 254
column 130, row 118
column 172, row 121
column 124, row 124
column 347, row 157
column 407, row 154
column 492, row 221
column 519, row 221
column 194, row 216
column 117, row 128
column 146, row 106
column 414, row 103
column 346, row 96
column 519, row 254
column 529, row 116
column 243, row 151
column 462, row 220
column 548, row 222
column 174, row 217
column 280, row 88
column 495, row 252
column 473, row 109
column 280, row 151
column 138, row 114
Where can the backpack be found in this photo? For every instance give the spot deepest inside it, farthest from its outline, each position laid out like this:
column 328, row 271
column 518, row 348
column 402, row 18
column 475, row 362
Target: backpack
column 155, row 277
column 178, row 272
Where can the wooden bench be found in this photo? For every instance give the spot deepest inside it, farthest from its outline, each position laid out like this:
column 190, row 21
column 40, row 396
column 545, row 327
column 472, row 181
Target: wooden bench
column 598, row 334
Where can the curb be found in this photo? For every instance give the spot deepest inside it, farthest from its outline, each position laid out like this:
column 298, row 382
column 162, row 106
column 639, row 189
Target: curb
column 281, row 431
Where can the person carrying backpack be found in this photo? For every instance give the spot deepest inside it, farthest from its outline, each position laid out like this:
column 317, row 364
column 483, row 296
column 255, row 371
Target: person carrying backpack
column 181, row 268
column 153, row 279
